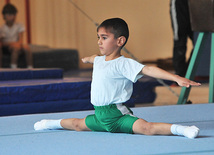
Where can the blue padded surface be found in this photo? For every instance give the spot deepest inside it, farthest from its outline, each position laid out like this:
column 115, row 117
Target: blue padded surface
column 46, row 107
column 25, row 91
column 144, row 89
column 28, row 91
column 18, row 137
column 35, row 96
column 21, row 74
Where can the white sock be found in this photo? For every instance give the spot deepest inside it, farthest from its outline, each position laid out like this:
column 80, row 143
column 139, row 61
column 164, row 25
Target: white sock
column 191, row 132
column 187, row 131
column 48, row 124
column 13, row 66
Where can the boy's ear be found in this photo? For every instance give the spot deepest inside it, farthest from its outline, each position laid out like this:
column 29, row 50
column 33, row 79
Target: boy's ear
column 121, row 41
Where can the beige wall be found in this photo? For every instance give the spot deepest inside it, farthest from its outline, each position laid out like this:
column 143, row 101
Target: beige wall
column 57, row 23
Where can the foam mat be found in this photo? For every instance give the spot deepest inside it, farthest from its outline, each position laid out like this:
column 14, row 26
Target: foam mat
column 18, row 136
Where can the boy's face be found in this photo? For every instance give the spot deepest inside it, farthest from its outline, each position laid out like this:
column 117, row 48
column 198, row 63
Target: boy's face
column 106, row 41
column 9, row 18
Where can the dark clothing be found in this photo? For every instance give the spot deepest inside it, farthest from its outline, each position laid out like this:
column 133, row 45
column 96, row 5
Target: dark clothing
column 6, row 50
column 180, row 18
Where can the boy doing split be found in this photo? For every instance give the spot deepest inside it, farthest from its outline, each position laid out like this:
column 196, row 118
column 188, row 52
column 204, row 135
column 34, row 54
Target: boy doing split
column 112, row 85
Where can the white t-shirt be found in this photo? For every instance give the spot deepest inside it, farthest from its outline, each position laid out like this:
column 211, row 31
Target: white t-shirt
column 11, row 34
column 112, row 81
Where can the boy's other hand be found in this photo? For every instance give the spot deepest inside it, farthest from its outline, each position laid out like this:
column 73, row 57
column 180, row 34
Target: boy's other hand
column 84, row 60
column 89, row 59
column 186, row 82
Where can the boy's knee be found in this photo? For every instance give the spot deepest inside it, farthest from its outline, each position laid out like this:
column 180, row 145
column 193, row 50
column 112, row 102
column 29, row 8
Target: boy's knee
column 77, row 124
column 148, row 128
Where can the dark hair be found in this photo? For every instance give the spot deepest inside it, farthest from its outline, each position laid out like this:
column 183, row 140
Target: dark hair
column 9, row 9
column 117, row 26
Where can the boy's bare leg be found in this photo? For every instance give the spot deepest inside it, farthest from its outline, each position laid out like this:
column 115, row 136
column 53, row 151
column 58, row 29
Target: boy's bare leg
column 148, row 128
column 74, row 124
column 69, row 124
column 14, row 57
column 29, row 57
column 143, row 127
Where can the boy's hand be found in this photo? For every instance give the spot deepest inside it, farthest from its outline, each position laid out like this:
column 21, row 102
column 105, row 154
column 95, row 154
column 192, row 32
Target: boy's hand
column 89, row 59
column 186, row 82
column 85, row 60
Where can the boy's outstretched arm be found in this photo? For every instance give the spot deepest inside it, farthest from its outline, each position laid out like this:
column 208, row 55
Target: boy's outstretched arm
column 162, row 74
column 89, row 59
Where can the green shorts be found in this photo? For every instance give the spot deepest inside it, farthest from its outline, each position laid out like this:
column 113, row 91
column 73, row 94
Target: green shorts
column 111, row 118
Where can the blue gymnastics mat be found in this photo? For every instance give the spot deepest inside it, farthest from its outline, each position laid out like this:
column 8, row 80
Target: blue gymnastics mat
column 44, row 96
column 17, row 136
column 25, row 74
column 19, row 97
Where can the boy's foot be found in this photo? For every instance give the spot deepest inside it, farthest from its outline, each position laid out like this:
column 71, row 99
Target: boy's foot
column 41, row 125
column 48, row 124
column 191, row 132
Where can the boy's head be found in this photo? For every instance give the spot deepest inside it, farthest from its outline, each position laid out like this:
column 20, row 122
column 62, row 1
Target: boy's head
column 9, row 12
column 9, row 9
column 116, row 26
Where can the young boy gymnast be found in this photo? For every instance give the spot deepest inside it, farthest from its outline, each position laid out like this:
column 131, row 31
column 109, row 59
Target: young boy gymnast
column 112, row 85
